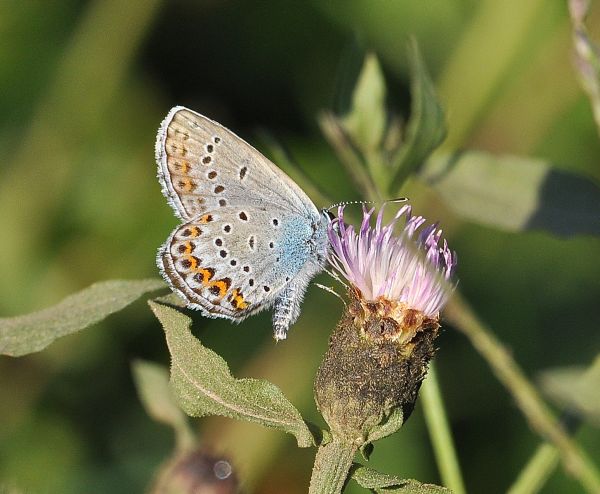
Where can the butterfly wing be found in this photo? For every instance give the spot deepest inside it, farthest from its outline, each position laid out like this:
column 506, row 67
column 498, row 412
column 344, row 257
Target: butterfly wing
column 233, row 261
column 204, row 166
column 251, row 237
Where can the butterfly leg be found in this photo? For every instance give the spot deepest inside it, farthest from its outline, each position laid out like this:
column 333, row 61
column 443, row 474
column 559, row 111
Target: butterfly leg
column 287, row 309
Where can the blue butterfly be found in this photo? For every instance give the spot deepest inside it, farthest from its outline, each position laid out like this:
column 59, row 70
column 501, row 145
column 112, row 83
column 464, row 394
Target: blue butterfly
column 251, row 239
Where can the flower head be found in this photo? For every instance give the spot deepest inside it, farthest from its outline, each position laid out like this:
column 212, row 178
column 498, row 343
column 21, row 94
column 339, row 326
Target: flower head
column 407, row 268
column 378, row 355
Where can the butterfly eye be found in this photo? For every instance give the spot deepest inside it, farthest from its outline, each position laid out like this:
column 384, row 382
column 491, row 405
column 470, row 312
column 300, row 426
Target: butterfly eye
column 332, row 221
column 329, row 215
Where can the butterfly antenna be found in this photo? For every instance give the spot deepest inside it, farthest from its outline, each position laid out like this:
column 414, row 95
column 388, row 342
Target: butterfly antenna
column 397, row 200
column 350, row 203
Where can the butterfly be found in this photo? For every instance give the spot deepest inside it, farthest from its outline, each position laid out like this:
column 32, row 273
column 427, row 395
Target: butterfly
column 250, row 238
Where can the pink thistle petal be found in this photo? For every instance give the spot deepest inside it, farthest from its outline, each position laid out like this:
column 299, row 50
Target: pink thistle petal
column 399, row 267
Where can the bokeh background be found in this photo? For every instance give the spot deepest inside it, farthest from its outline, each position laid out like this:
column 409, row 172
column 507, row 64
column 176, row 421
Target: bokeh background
column 83, row 88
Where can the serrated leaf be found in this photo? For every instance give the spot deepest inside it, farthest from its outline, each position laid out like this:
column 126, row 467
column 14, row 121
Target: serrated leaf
column 152, row 383
column 33, row 332
column 515, row 193
column 575, row 388
column 367, row 118
column 426, row 128
column 383, row 483
column 203, row 384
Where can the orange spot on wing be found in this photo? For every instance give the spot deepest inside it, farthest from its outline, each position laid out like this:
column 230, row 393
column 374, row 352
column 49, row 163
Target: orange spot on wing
column 207, row 218
column 193, row 262
column 179, row 166
column 237, row 300
column 188, row 185
column 188, row 248
column 222, row 286
column 206, row 274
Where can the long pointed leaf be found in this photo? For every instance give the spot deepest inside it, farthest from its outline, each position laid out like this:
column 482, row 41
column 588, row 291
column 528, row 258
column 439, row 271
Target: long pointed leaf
column 203, row 384
column 426, row 128
column 33, row 332
column 367, row 118
column 383, row 483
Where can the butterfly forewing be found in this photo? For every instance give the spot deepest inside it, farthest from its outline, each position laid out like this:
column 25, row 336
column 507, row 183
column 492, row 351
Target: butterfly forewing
column 203, row 166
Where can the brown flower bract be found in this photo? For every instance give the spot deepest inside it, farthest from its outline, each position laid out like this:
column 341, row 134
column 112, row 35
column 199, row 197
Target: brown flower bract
column 377, row 358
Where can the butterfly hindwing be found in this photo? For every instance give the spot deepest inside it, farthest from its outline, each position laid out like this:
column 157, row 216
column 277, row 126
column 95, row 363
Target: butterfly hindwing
column 234, row 261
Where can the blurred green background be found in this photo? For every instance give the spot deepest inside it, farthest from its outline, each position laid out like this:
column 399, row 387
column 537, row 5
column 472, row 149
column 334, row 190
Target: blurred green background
column 83, row 88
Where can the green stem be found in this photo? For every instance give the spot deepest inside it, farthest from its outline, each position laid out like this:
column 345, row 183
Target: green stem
column 440, row 434
column 348, row 156
column 541, row 465
column 332, row 466
column 538, row 469
column 540, row 418
column 379, row 171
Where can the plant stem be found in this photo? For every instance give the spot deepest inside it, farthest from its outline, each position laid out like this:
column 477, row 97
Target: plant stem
column 538, row 469
column 536, row 412
column 332, row 466
column 440, row 434
column 348, row 156
column 541, row 465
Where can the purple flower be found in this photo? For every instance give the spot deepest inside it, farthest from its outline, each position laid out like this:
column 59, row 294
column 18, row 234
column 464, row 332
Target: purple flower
column 407, row 268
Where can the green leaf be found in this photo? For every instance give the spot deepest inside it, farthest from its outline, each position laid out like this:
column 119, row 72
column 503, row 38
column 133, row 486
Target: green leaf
column 576, row 389
column 33, row 332
column 152, row 383
column 387, row 428
column 383, row 483
column 515, row 193
column 426, row 128
column 391, row 425
column 203, row 384
column 367, row 118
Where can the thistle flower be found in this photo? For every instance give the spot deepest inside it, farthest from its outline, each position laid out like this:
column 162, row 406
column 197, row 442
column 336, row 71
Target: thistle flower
column 406, row 269
column 379, row 353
